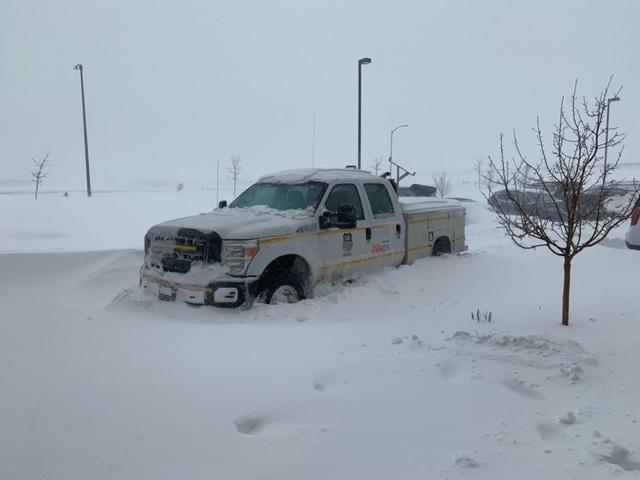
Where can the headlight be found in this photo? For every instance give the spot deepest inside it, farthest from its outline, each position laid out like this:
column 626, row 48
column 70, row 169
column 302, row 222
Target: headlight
column 237, row 255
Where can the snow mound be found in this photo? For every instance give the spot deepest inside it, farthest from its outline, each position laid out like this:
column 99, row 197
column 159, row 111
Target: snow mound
column 536, row 351
column 531, row 343
column 464, row 461
column 568, row 418
column 132, row 299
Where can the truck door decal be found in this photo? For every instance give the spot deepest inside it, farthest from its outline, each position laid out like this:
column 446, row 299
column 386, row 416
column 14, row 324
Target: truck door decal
column 347, row 244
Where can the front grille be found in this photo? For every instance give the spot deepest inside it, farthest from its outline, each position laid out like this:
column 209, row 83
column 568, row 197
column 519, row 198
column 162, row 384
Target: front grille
column 177, row 253
column 175, row 265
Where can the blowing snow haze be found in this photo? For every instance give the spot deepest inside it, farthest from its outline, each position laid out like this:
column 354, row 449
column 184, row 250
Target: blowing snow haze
column 172, row 87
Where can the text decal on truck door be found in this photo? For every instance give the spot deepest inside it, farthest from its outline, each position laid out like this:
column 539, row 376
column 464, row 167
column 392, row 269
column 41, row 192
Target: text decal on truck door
column 347, row 244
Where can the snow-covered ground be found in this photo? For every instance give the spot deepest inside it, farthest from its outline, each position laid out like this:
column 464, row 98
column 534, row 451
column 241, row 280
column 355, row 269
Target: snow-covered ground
column 385, row 378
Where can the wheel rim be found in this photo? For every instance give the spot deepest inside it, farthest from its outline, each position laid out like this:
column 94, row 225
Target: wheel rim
column 285, row 294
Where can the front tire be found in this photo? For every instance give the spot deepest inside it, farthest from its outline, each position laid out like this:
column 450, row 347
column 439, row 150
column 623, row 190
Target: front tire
column 284, row 287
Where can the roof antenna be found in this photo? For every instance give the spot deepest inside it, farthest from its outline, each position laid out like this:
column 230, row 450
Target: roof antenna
column 313, row 141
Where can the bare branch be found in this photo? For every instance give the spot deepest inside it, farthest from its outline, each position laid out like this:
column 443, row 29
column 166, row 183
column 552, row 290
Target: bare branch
column 39, row 173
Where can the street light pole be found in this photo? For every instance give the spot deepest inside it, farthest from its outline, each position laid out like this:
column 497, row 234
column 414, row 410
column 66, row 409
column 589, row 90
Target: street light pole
column 391, row 145
column 84, row 122
column 606, row 133
column 362, row 61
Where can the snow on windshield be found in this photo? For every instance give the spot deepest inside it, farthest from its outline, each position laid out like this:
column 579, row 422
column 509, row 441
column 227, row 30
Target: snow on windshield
column 281, row 196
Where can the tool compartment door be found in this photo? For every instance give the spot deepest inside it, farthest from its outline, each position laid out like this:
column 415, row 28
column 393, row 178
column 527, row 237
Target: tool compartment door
column 419, row 243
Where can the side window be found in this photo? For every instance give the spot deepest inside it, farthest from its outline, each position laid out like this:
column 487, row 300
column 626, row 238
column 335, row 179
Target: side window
column 345, row 194
column 379, row 199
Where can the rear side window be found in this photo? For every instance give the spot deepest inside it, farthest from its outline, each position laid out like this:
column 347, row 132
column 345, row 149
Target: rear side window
column 345, row 194
column 379, row 199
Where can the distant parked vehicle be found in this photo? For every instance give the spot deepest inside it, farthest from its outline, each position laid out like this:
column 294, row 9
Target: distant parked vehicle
column 632, row 238
column 501, row 202
column 594, row 201
column 417, row 190
column 534, row 202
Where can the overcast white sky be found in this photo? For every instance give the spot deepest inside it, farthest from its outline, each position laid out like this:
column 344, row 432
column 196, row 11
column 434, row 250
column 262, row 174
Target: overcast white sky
column 173, row 86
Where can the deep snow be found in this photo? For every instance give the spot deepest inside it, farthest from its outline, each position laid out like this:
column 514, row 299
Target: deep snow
column 385, row 378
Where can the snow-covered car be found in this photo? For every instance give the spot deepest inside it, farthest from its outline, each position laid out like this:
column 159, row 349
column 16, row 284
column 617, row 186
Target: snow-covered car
column 534, row 202
column 290, row 231
column 632, row 238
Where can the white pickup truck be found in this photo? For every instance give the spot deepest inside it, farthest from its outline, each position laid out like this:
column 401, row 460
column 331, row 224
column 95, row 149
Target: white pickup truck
column 290, row 231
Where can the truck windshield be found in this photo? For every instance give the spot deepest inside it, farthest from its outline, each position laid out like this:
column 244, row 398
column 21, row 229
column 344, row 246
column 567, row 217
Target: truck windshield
column 281, row 196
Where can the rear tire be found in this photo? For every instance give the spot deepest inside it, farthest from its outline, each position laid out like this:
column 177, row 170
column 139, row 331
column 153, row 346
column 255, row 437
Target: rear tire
column 284, row 287
column 441, row 247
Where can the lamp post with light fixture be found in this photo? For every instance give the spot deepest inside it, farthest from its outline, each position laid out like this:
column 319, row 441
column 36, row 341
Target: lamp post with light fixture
column 362, row 61
column 606, row 133
column 391, row 143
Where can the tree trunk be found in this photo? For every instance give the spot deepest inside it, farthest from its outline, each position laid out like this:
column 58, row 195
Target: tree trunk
column 566, row 289
column 37, row 185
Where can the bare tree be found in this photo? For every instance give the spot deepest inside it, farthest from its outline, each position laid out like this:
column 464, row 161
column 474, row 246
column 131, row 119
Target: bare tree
column 234, row 169
column 524, row 176
column 570, row 213
column 489, row 180
column 478, row 169
column 40, row 171
column 442, row 182
column 377, row 165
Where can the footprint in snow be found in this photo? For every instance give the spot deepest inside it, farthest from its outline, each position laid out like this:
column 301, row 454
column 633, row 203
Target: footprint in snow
column 249, row 425
column 620, row 456
column 547, row 430
column 326, row 382
column 319, row 386
column 520, row 388
column 448, row 369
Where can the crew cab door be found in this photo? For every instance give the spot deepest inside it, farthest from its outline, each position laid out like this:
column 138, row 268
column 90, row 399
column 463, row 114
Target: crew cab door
column 387, row 239
column 344, row 250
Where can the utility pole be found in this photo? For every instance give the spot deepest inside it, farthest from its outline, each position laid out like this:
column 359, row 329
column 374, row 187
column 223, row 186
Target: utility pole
column 84, row 123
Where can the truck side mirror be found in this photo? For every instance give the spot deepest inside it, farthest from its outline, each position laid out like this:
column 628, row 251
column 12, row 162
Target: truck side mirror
column 346, row 216
column 344, row 219
column 222, row 204
column 328, row 220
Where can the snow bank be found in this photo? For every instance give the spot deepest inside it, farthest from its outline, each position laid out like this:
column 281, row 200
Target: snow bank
column 386, row 377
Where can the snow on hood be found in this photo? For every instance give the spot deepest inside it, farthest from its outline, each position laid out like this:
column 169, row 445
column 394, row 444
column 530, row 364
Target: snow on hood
column 242, row 223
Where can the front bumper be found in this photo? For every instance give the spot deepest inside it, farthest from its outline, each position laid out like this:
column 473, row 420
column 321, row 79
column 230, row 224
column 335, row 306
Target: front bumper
column 226, row 293
column 632, row 246
column 632, row 238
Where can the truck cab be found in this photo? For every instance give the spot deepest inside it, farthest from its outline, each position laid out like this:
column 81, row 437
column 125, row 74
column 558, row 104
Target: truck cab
column 278, row 239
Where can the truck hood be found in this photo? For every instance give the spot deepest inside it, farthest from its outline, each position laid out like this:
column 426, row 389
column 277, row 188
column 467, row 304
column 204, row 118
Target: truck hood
column 241, row 223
